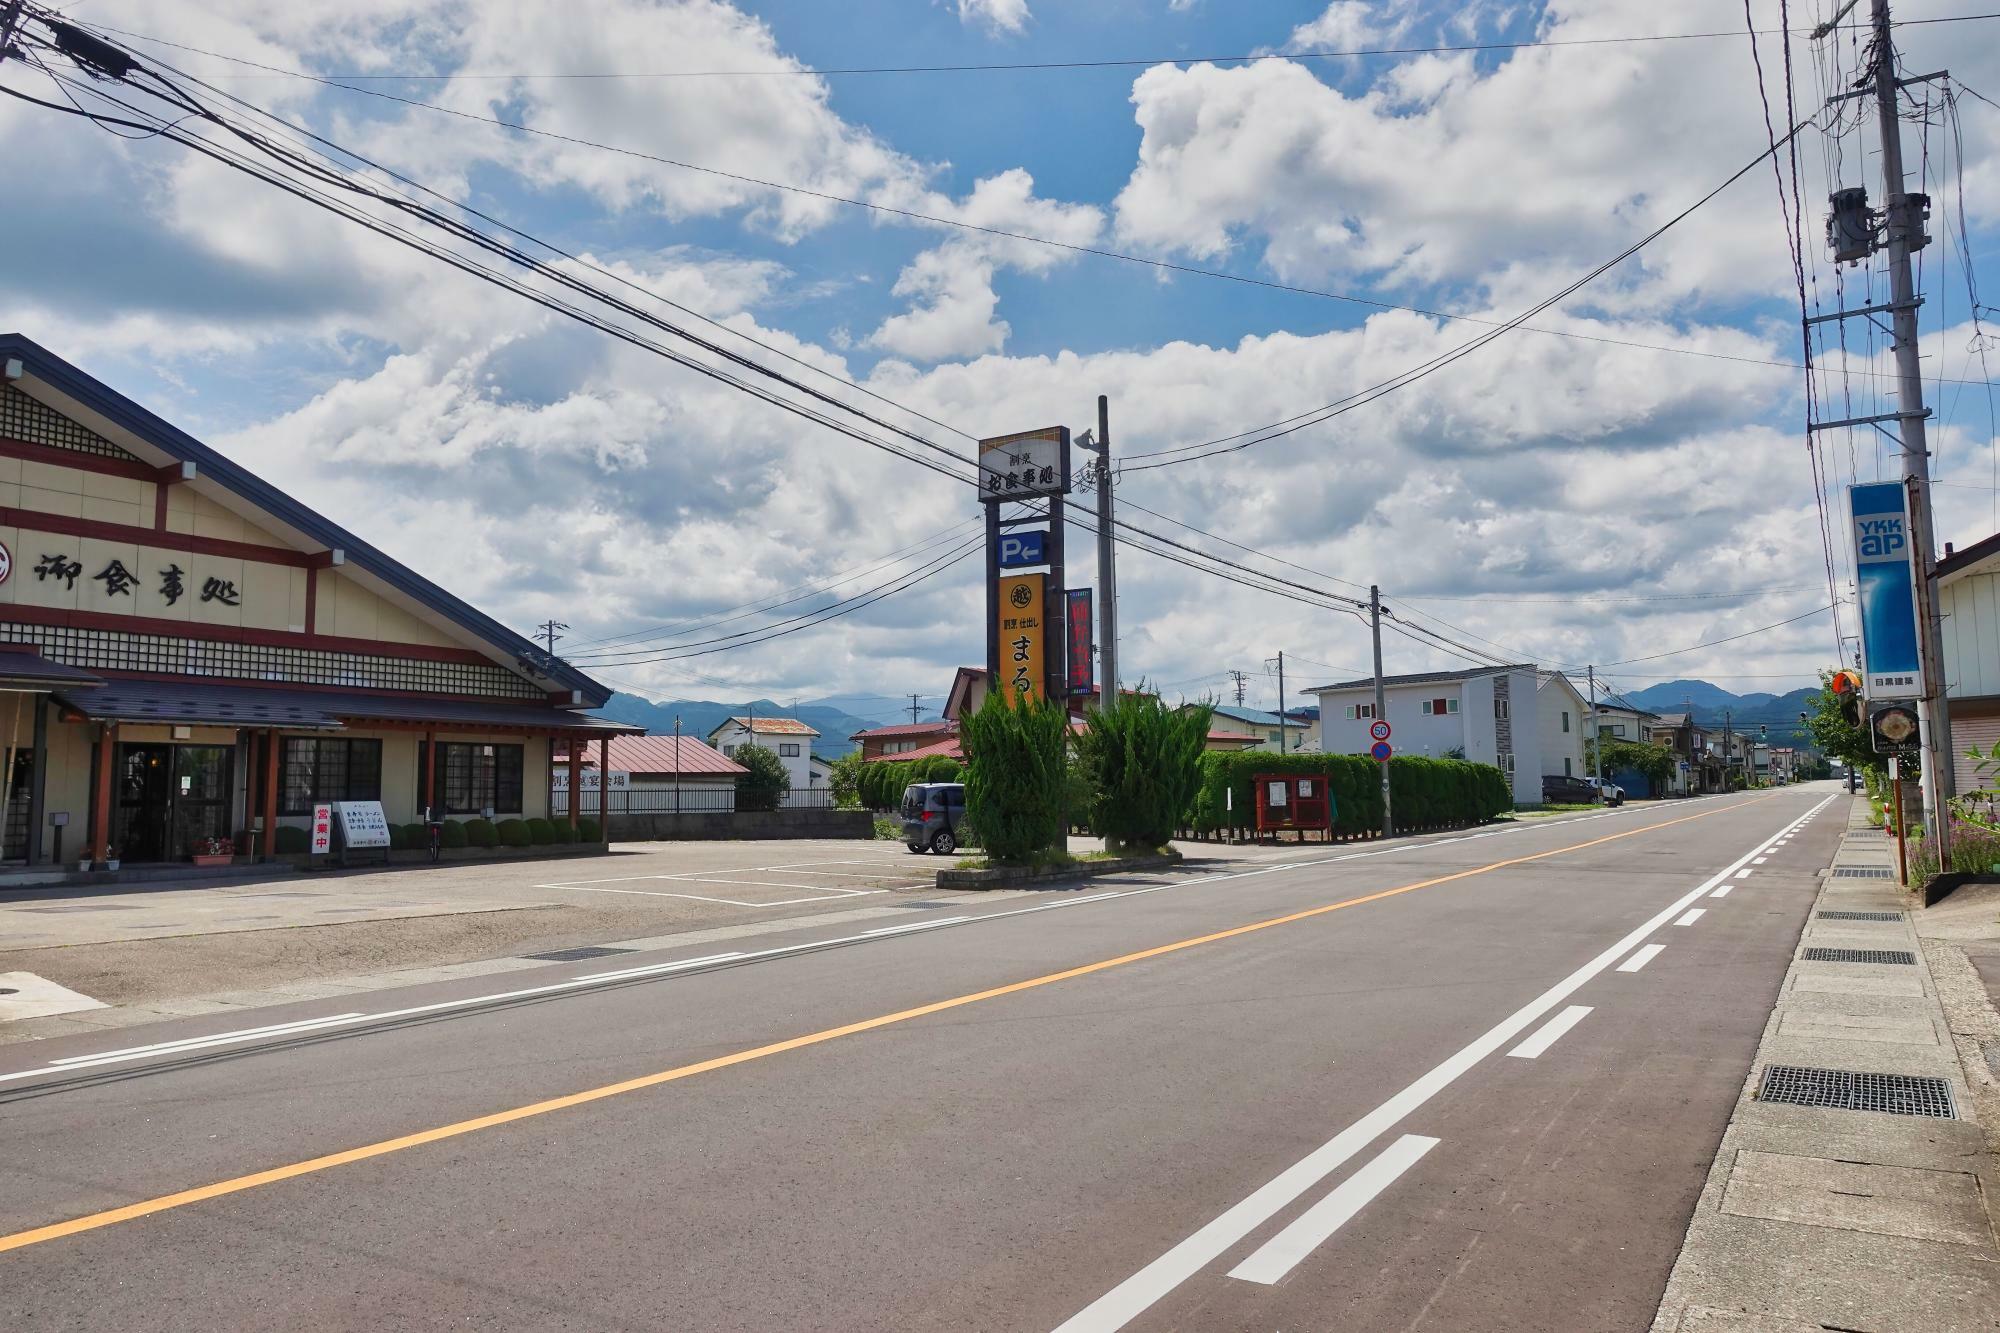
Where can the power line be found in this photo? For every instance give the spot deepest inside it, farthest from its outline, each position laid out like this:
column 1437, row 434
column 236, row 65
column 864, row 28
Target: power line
column 1712, row 643
column 932, row 219
column 796, row 69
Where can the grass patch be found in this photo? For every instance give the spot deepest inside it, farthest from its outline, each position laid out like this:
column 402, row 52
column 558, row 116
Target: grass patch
column 1557, row 808
column 887, row 829
column 1054, row 859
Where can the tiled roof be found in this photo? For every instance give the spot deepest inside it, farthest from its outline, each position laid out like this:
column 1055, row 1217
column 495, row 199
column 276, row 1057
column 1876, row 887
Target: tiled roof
column 656, row 754
column 1256, row 716
column 215, row 704
column 938, row 727
column 1421, row 678
column 948, row 747
column 772, row 726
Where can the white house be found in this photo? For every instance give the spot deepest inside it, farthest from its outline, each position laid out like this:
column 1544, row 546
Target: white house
column 1968, row 600
column 1523, row 720
column 791, row 739
column 1261, row 729
column 1625, row 722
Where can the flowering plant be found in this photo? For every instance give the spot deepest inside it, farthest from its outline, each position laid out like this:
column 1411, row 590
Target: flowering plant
column 214, row 847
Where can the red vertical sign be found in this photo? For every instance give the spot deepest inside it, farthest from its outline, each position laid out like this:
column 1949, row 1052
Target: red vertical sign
column 1082, row 678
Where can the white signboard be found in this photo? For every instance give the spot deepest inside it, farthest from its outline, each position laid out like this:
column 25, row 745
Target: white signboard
column 621, row 779
column 362, row 824
column 1035, row 462
column 322, row 830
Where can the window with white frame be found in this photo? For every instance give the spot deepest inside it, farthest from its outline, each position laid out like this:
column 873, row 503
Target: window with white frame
column 788, row 749
column 1565, row 720
column 1499, row 710
column 1360, row 712
column 1437, row 707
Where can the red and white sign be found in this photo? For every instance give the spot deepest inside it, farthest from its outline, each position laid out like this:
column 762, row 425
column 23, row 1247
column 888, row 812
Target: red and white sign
column 322, row 830
column 1379, row 729
column 6, row 562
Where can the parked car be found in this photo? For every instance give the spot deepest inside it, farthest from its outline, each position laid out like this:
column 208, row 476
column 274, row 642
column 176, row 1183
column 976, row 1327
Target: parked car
column 1612, row 793
column 1560, row 789
column 933, row 813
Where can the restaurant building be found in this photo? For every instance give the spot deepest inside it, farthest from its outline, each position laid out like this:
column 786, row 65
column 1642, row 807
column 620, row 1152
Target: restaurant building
column 187, row 653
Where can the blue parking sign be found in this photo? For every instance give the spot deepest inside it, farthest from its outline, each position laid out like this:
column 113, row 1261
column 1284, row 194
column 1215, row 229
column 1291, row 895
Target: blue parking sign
column 1023, row 546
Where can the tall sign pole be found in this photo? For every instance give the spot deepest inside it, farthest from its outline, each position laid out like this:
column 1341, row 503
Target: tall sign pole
column 1024, row 608
column 1904, row 229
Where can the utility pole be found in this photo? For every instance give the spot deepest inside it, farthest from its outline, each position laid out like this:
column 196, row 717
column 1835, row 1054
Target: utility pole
column 1281, row 701
column 1242, row 679
column 548, row 632
column 677, row 763
column 10, row 18
column 1107, row 565
column 1592, row 733
column 1381, row 707
column 913, row 708
column 1728, row 760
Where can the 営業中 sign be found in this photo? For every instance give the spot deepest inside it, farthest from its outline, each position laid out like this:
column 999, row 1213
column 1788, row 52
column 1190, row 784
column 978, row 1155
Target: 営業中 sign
column 1031, row 463
column 322, row 830
column 362, row 824
column 1891, row 665
column 1022, row 633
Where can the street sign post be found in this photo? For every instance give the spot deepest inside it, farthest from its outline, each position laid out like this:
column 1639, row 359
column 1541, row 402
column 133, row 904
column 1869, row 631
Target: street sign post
column 1379, row 729
column 1381, row 750
column 1024, row 655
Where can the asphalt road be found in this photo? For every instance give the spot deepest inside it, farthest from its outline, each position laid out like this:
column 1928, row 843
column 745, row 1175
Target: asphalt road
column 1350, row 1092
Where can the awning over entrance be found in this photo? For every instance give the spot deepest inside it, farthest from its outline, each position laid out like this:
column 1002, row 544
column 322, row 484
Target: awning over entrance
column 202, row 704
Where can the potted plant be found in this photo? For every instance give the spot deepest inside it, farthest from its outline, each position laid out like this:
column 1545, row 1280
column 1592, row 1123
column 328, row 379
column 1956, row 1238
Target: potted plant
column 213, row 851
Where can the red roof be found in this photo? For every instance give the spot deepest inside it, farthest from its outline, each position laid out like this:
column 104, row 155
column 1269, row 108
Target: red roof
column 948, row 747
column 655, row 754
column 939, row 727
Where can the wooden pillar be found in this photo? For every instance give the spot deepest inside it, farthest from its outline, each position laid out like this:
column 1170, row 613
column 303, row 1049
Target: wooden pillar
column 100, row 798
column 271, row 753
column 430, row 775
column 576, row 745
column 604, row 788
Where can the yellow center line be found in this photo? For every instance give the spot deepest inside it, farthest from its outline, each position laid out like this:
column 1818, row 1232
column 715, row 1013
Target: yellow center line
column 238, row 1184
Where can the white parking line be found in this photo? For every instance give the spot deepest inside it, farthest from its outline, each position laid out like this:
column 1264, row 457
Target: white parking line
column 1641, row 958
column 1548, row 1033
column 1692, row 915
column 1744, row 873
column 1282, row 1253
column 1138, row 1293
column 1722, row 892
column 1760, row 860
column 915, row 925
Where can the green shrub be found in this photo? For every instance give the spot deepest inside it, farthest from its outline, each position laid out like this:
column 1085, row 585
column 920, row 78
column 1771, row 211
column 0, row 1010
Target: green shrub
column 512, row 833
column 541, row 832
column 292, row 840
column 1015, row 774
column 848, row 771
column 1426, row 793
column 399, row 838
column 560, row 832
column 1141, row 764
column 589, row 830
column 938, row 768
column 417, row 836
column 481, row 833
column 452, row 834
column 766, row 782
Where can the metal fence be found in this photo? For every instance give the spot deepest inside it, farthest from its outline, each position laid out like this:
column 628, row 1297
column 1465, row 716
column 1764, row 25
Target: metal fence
column 706, row 800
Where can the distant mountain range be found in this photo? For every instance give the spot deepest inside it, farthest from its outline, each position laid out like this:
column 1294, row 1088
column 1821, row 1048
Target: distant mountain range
column 701, row 716
column 1779, row 713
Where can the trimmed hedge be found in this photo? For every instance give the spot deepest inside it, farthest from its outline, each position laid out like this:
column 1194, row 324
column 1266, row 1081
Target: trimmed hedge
column 880, row 783
column 451, row 834
column 417, row 837
column 292, row 840
column 481, row 833
column 589, row 830
column 541, row 833
column 1427, row 793
column 511, row 833
column 559, row 831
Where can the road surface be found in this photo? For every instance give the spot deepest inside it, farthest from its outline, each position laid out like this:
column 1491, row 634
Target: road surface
column 1470, row 1081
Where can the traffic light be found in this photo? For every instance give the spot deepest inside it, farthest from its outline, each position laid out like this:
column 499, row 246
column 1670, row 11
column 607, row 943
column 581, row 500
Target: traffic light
column 1762, row 731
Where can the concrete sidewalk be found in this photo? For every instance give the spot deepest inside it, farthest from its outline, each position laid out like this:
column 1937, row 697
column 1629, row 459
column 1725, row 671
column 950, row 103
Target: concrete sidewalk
column 1825, row 1216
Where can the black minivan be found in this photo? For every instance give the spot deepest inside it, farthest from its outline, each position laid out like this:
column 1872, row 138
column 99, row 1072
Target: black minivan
column 933, row 812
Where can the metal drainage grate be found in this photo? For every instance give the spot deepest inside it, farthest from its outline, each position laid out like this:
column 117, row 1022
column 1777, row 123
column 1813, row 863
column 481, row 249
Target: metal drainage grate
column 577, row 955
column 1844, row 1090
column 1860, row 916
column 1822, row 955
column 1863, row 872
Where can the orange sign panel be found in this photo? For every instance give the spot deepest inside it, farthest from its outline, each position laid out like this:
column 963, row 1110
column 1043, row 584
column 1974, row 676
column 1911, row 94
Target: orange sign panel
column 1023, row 631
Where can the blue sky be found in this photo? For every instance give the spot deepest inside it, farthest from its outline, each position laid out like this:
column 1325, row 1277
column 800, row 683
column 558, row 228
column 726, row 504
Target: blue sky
column 1573, row 499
